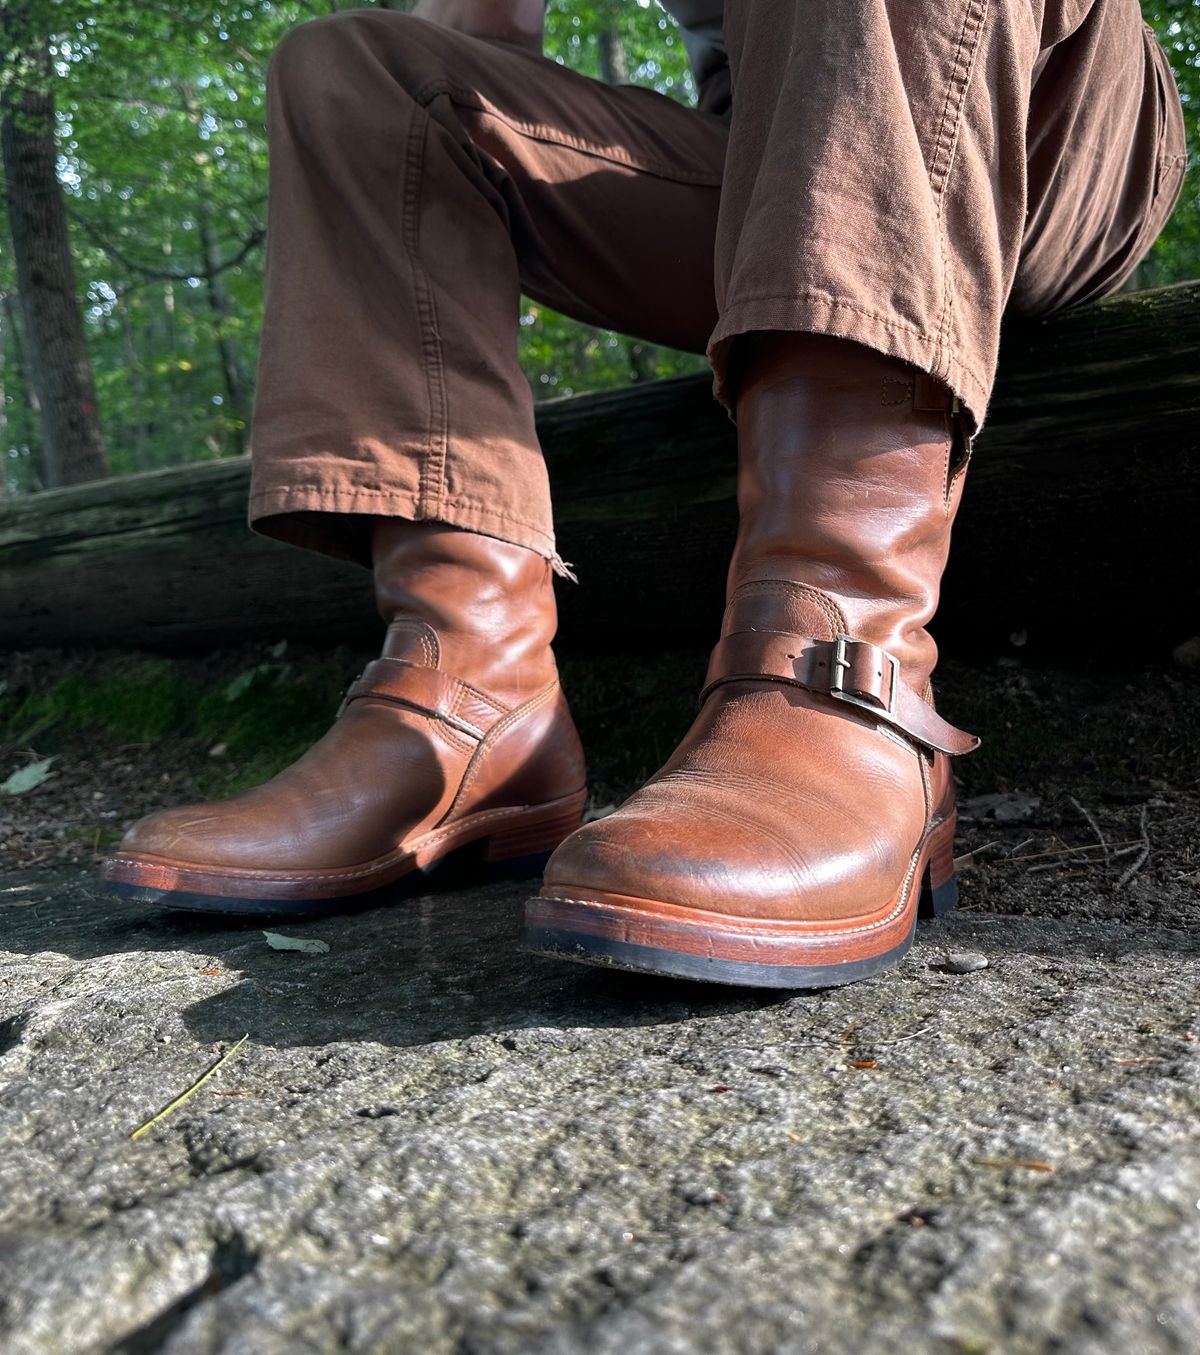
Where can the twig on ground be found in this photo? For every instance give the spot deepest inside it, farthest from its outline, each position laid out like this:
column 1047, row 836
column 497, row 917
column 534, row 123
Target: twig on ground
column 1026, row 1162
column 191, row 1091
column 1093, row 825
column 967, row 859
column 1142, row 857
column 1109, row 848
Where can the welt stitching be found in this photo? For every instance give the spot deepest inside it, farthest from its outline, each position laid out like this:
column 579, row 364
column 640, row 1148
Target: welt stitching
column 358, row 874
column 905, row 896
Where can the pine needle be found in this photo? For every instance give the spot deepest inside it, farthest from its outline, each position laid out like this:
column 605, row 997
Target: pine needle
column 190, row 1092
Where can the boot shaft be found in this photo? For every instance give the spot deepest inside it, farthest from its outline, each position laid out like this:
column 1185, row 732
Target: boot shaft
column 850, row 470
column 471, row 605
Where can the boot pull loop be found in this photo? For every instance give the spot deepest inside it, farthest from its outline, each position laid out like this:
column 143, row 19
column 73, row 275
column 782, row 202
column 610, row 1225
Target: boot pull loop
column 853, row 672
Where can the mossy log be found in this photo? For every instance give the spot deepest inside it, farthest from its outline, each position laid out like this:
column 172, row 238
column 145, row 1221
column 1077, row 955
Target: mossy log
column 1079, row 525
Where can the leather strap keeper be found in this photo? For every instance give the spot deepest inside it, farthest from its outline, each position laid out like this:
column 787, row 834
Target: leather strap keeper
column 847, row 670
column 428, row 691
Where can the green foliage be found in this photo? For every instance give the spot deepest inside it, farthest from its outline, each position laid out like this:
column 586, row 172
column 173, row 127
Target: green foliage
column 261, row 718
column 1176, row 254
column 164, row 161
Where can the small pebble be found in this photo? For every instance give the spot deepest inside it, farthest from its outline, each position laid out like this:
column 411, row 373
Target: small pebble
column 964, row 962
column 702, row 1195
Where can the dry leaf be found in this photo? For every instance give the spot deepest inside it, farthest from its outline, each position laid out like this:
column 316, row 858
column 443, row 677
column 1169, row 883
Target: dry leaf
column 277, row 941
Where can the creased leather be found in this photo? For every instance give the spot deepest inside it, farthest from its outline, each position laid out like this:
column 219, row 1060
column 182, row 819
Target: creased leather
column 467, row 694
column 781, row 803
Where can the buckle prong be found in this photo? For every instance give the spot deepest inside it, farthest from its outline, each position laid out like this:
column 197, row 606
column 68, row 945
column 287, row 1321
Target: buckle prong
column 840, row 662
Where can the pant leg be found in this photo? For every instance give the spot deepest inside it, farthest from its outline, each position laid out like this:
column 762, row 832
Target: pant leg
column 419, row 179
column 896, row 167
column 1105, row 173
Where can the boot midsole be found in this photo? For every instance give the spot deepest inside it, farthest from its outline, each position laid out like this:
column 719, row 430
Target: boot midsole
column 519, row 831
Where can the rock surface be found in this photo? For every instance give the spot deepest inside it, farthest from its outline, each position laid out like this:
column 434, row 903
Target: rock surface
column 432, row 1142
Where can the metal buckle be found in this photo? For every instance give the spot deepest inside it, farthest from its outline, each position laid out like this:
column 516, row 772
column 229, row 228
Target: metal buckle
column 840, row 662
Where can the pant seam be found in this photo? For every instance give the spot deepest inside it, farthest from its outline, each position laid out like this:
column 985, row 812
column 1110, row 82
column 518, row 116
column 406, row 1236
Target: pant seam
column 271, row 497
column 944, row 156
column 555, row 136
column 433, row 464
column 836, row 303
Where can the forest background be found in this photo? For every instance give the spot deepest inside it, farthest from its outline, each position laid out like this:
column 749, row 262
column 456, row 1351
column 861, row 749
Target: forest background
column 135, row 160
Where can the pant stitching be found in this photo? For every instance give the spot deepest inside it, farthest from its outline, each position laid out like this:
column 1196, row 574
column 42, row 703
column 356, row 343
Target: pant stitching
column 943, row 158
column 433, row 464
column 269, row 497
column 835, row 303
column 555, row 136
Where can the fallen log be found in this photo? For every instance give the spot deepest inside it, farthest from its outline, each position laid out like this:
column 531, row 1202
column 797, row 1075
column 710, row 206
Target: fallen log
column 1078, row 526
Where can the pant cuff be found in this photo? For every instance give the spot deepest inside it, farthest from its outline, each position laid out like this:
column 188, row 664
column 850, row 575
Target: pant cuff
column 818, row 313
column 333, row 521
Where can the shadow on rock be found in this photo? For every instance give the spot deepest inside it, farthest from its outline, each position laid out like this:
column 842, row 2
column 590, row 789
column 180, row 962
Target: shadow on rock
column 443, row 964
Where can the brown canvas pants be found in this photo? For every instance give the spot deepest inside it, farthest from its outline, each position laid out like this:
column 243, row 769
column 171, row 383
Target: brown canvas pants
column 896, row 172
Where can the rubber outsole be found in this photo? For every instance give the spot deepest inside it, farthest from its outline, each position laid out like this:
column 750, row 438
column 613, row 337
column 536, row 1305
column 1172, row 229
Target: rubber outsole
column 584, row 947
column 497, row 845
column 677, row 964
column 464, row 866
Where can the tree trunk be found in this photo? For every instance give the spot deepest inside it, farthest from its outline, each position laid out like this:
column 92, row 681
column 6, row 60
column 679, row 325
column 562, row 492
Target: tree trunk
column 3, row 415
column 614, row 69
column 61, row 373
column 25, row 431
column 227, row 353
column 137, row 385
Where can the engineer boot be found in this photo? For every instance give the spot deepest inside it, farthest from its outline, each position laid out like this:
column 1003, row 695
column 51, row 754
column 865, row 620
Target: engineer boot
column 458, row 735
column 790, row 838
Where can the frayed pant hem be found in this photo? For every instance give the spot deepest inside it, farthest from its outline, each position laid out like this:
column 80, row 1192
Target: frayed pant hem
column 332, row 522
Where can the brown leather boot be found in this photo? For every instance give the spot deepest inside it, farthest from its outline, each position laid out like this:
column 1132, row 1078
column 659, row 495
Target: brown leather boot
column 788, row 840
column 459, row 734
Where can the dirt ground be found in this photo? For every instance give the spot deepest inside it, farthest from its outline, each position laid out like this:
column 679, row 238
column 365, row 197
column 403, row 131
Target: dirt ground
column 432, row 1142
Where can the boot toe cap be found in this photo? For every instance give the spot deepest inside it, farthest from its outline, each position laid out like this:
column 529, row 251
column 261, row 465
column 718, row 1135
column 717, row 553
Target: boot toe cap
column 203, row 835
column 709, row 855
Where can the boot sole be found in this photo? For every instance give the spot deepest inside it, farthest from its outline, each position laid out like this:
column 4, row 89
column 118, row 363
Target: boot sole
column 649, row 937
column 498, row 844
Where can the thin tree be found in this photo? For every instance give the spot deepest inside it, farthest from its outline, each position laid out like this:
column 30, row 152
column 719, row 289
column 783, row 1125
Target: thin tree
column 56, row 349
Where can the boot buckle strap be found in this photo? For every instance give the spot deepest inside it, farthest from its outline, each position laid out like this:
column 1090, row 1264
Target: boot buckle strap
column 429, row 692
column 854, row 672
column 861, row 674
